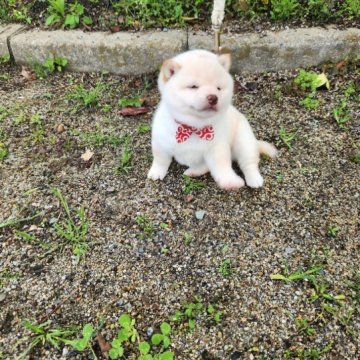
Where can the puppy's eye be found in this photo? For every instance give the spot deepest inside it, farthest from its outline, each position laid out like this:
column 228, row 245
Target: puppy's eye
column 219, row 88
column 193, row 87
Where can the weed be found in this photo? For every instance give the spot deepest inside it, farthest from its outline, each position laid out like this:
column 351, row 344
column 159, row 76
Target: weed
column 143, row 128
column 149, row 13
column 190, row 312
column 128, row 333
column 287, row 137
column 310, row 80
column 125, row 159
column 83, row 98
column 84, row 342
column 225, row 267
column 145, row 225
column 309, row 102
column 283, row 9
column 14, row 222
column 4, row 59
column 100, row 138
column 341, row 112
column 319, row 286
column 74, row 229
column 311, row 353
column 125, row 102
column 4, row 152
column 332, row 230
column 352, row 7
column 105, row 108
column 355, row 287
column 187, row 239
column 192, row 185
column 301, row 275
column 319, row 9
column 43, row 334
column 6, row 275
column 49, row 66
column 303, row 327
column 69, row 15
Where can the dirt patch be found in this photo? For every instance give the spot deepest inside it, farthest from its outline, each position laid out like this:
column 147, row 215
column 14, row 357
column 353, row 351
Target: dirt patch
column 153, row 247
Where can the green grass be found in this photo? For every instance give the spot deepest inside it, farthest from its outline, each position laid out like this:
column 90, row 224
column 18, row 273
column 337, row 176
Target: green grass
column 286, row 137
column 74, row 228
column 81, row 98
column 44, row 335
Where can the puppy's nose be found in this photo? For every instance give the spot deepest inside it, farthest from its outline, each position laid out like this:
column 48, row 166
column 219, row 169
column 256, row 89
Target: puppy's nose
column 212, row 99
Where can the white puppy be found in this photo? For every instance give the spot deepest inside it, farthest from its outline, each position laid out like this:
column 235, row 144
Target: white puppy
column 196, row 124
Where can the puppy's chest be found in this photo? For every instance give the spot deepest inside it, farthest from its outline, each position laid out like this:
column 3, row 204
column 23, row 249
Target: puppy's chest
column 193, row 150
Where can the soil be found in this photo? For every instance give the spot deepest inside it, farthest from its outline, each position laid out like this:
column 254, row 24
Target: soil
column 208, row 246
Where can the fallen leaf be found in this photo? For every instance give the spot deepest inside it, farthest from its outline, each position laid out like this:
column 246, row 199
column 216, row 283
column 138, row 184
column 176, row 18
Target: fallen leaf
column 115, row 28
column 104, row 345
column 133, row 111
column 27, row 74
column 322, row 80
column 33, row 228
column 87, row 155
column 340, row 64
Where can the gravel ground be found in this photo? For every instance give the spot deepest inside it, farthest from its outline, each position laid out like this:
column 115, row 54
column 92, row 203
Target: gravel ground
column 153, row 248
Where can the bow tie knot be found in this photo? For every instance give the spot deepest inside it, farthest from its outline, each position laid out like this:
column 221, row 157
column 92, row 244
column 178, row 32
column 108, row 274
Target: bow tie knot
column 183, row 132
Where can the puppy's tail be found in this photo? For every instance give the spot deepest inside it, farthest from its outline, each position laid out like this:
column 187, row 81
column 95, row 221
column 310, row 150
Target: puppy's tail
column 267, row 148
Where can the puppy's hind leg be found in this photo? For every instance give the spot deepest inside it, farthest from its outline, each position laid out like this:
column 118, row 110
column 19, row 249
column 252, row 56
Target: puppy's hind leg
column 197, row 171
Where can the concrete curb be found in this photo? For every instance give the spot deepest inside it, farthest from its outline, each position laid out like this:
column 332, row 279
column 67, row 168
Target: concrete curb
column 143, row 52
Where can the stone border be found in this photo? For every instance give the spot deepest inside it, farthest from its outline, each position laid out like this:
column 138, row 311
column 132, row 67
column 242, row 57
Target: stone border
column 143, row 52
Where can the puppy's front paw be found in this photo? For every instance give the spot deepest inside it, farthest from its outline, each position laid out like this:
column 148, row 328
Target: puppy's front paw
column 157, row 172
column 230, row 182
column 254, row 180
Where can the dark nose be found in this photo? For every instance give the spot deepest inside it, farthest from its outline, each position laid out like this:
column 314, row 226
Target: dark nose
column 212, row 99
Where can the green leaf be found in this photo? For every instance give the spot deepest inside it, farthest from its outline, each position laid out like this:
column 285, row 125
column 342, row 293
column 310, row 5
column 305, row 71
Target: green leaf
column 59, row 6
column 144, row 347
column 210, row 309
column 52, row 19
column 166, row 342
column 87, row 20
column 167, row 355
column 192, row 324
column 88, row 331
column 124, row 334
column 157, row 338
column 114, row 353
column 278, row 277
column 145, row 357
column 70, row 20
column 165, row 328
column 81, row 344
column 116, row 343
column 125, row 321
column 217, row 316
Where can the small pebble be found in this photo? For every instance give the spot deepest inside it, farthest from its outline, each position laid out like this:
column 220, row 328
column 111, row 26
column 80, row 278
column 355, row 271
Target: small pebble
column 200, row 214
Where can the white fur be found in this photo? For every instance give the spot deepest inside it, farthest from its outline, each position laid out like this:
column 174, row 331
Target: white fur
column 180, row 103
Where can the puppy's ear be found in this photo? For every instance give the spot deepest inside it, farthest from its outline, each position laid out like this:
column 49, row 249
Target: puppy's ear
column 225, row 61
column 169, row 68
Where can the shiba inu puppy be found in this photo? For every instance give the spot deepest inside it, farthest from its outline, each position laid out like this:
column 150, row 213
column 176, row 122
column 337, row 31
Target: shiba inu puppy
column 196, row 124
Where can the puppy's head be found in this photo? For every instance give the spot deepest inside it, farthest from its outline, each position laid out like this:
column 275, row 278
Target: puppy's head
column 196, row 84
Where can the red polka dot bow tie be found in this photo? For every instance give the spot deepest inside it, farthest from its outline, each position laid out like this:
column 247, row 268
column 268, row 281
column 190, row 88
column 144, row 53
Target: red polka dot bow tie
column 183, row 132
